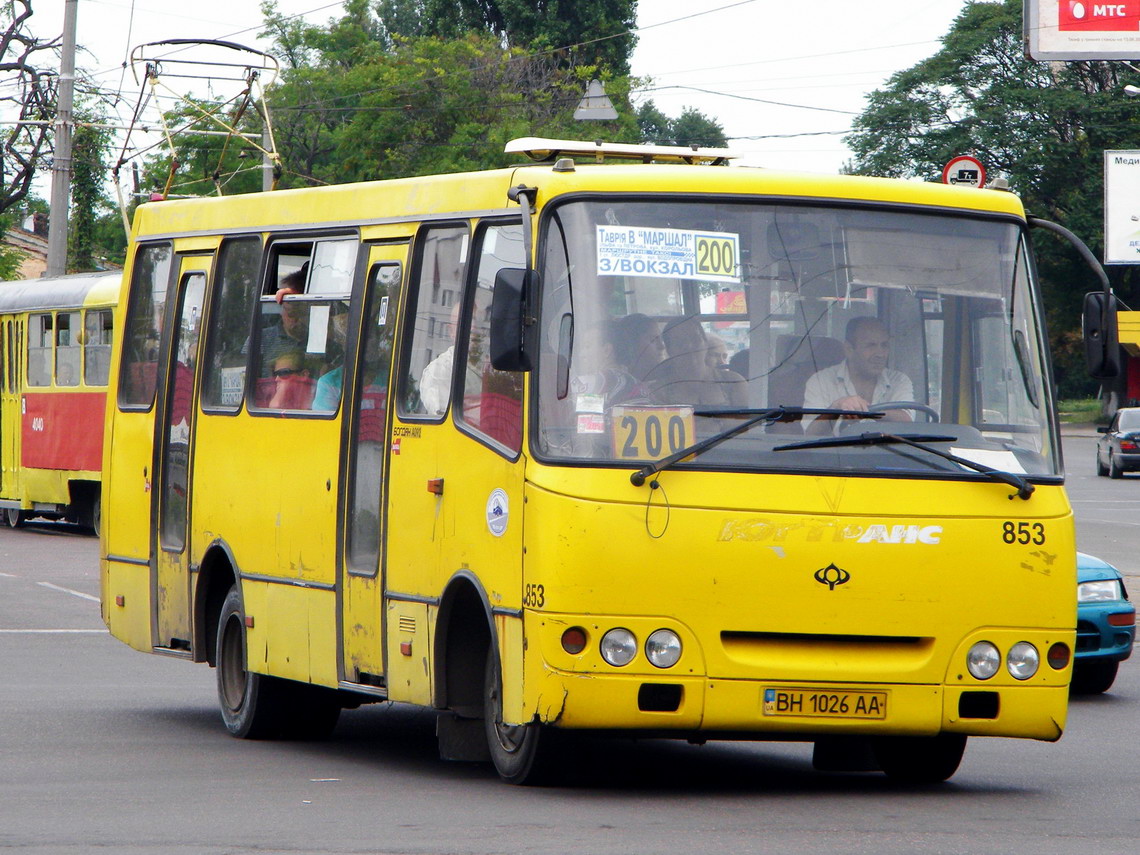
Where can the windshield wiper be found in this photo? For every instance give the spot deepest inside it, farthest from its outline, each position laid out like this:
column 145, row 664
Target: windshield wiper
column 1024, row 488
column 767, row 414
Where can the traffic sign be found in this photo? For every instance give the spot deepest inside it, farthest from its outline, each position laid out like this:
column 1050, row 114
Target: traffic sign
column 964, row 170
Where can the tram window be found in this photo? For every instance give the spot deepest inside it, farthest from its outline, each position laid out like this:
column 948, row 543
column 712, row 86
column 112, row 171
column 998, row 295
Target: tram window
column 97, row 347
column 68, row 352
column 226, row 349
column 143, row 332
column 492, row 399
column 40, row 338
column 425, row 384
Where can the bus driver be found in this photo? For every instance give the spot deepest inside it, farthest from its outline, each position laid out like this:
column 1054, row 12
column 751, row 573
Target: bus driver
column 861, row 380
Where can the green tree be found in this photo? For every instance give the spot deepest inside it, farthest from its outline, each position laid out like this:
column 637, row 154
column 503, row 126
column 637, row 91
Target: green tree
column 360, row 100
column 1044, row 126
column 88, row 198
column 593, row 32
column 692, row 127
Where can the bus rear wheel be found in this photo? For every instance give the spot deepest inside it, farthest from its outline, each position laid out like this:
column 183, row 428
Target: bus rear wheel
column 14, row 517
column 920, row 759
column 256, row 706
column 522, row 753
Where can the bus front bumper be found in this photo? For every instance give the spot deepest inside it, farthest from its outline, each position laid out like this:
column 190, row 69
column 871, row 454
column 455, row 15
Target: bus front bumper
column 737, row 709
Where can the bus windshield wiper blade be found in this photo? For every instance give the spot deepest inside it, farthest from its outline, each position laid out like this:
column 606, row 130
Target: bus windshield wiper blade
column 1024, row 488
column 766, row 414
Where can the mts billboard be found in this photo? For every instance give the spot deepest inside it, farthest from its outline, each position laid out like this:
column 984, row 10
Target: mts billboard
column 1082, row 29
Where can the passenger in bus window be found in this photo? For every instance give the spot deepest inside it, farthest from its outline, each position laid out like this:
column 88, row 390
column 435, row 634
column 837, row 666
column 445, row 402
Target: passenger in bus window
column 329, row 384
column 293, row 386
column 686, row 377
column 600, row 378
column 638, row 345
column 717, row 354
column 435, row 380
column 861, row 380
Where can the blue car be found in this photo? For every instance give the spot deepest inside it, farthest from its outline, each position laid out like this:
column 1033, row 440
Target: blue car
column 1106, row 625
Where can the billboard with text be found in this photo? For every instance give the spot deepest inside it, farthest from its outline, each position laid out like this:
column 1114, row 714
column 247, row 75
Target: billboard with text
column 1082, row 29
column 1122, row 207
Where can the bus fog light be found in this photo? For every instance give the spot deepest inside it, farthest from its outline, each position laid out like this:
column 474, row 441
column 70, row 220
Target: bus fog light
column 1022, row 660
column 983, row 660
column 663, row 648
column 1058, row 656
column 619, row 647
column 574, row 640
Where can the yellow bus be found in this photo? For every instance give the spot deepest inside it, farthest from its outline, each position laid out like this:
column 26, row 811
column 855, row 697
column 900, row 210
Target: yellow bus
column 55, row 357
column 663, row 447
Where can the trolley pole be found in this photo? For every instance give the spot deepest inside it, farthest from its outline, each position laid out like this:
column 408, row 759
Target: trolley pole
column 61, row 162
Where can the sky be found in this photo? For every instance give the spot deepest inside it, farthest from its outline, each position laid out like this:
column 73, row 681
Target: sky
column 784, row 78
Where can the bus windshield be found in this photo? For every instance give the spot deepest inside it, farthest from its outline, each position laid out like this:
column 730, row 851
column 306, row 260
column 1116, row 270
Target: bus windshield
column 665, row 321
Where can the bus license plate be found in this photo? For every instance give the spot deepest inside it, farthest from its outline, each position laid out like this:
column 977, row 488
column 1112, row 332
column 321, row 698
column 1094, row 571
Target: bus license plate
column 828, row 703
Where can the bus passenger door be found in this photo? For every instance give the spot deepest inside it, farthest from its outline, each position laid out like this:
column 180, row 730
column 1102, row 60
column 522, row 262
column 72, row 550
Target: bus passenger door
column 367, row 420
column 174, row 424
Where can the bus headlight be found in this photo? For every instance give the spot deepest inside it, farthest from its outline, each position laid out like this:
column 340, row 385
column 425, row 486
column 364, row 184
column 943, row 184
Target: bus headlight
column 618, row 647
column 983, row 660
column 663, row 648
column 1022, row 660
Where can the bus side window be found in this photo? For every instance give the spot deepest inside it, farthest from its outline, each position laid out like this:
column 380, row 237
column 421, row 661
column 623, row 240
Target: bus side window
column 234, row 297
column 492, row 399
column 41, row 336
column 425, row 382
column 68, row 352
column 138, row 371
column 97, row 347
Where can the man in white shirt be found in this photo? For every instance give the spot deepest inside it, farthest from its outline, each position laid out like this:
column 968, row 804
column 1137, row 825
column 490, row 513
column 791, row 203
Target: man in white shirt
column 860, row 381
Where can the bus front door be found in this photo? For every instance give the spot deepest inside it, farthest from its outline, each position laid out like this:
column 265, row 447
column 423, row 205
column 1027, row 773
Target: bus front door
column 367, row 414
column 173, row 431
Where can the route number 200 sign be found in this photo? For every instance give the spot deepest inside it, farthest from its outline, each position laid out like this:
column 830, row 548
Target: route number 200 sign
column 650, row 433
column 668, row 253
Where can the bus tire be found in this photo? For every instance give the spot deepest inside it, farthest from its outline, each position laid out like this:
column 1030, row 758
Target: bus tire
column 522, row 754
column 14, row 517
column 251, row 704
column 920, row 759
column 97, row 514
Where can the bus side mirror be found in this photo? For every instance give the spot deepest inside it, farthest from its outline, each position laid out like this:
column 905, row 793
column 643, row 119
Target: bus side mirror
column 509, row 321
column 1098, row 326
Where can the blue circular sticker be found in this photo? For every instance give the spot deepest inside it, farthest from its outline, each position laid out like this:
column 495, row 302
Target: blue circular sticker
column 498, row 512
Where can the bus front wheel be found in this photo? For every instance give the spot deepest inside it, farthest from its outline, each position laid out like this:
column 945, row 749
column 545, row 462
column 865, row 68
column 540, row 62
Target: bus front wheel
column 14, row 517
column 920, row 759
column 522, row 753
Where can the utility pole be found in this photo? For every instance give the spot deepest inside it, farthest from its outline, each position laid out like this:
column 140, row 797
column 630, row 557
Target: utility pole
column 61, row 163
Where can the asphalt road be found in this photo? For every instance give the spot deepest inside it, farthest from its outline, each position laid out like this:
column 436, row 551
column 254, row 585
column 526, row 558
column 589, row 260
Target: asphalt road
column 103, row 749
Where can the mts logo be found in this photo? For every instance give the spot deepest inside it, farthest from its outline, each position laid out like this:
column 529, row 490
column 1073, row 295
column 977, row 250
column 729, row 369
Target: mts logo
column 1099, row 17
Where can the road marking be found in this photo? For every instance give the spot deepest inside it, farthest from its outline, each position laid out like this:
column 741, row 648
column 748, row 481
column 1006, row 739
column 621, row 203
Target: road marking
column 68, row 591
column 53, row 631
